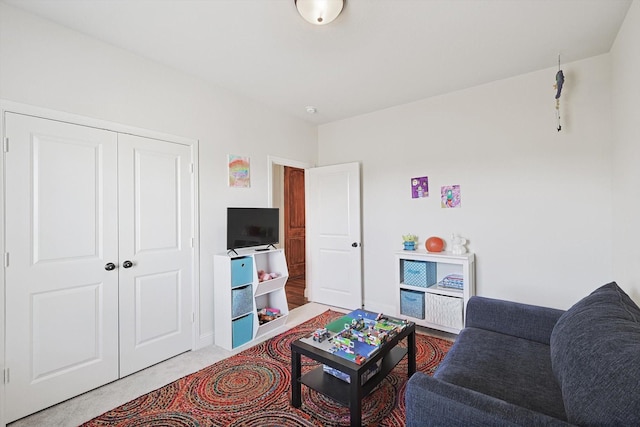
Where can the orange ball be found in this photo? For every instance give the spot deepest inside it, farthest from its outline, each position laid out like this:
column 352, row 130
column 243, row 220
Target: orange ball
column 434, row 244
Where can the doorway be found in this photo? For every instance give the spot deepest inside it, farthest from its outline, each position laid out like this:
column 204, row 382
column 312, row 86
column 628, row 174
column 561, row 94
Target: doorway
column 288, row 194
column 333, row 265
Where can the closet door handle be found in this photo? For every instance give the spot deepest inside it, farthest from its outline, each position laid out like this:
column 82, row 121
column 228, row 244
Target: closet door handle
column 110, row 266
column 127, row 264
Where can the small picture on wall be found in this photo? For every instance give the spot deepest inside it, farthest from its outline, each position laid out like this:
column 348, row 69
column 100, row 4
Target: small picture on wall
column 239, row 172
column 419, row 187
column 450, row 196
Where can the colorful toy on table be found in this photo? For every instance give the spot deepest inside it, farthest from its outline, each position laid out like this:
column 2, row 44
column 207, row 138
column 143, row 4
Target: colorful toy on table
column 320, row 334
column 360, row 333
column 345, row 344
column 356, row 324
column 376, row 338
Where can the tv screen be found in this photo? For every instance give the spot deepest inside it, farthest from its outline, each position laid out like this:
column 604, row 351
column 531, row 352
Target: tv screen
column 248, row 227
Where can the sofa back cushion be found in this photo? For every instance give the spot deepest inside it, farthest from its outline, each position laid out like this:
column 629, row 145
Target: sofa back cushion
column 595, row 356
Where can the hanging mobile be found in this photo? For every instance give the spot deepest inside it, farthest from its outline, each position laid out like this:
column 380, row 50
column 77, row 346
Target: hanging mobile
column 558, row 87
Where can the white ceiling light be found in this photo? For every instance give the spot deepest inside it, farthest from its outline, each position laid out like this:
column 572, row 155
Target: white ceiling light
column 319, row 12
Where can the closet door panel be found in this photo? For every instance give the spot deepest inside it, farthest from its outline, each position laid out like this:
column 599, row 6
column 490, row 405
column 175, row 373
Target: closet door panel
column 157, row 197
column 156, row 230
column 65, row 173
column 61, row 222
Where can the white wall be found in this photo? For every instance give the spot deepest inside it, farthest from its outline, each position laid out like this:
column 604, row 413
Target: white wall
column 536, row 204
column 625, row 56
column 46, row 65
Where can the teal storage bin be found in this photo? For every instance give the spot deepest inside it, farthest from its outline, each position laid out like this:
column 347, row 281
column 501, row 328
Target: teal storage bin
column 412, row 303
column 419, row 273
column 242, row 330
column 241, row 271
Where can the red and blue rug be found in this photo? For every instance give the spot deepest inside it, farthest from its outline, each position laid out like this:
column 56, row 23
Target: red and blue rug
column 252, row 388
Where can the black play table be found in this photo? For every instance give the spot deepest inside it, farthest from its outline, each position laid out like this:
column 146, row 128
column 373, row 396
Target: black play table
column 349, row 393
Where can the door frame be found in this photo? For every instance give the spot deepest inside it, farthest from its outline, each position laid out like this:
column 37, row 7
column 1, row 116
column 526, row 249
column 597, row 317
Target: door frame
column 279, row 161
column 45, row 113
column 4, row 261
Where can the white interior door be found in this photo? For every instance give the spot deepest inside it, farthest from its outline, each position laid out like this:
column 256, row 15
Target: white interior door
column 61, row 231
column 334, row 259
column 156, row 237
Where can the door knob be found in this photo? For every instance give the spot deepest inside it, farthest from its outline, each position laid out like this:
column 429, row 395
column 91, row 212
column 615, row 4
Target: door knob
column 110, row 266
column 354, row 245
column 127, row 264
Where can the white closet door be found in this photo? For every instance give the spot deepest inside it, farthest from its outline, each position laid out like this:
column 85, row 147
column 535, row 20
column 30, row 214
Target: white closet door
column 156, row 230
column 61, row 231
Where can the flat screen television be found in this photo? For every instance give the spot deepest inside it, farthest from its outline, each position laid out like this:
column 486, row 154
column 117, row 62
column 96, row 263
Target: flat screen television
column 249, row 227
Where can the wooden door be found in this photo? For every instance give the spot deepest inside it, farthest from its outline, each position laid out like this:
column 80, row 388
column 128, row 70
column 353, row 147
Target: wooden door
column 294, row 220
column 156, row 250
column 61, row 233
column 334, row 258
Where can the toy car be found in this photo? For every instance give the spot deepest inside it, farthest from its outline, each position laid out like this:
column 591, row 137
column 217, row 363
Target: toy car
column 320, row 334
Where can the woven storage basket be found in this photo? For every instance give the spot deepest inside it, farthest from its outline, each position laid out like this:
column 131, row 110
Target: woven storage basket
column 444, row 310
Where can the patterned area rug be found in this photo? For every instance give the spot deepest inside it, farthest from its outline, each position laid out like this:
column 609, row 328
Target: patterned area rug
column 252, row 388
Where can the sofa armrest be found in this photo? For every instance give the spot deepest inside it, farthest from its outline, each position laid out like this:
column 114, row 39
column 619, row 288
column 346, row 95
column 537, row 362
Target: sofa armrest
column 432, row 402
column 526, row 321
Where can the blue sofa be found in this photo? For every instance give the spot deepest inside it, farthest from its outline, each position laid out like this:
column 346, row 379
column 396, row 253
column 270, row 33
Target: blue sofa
column 521, row 365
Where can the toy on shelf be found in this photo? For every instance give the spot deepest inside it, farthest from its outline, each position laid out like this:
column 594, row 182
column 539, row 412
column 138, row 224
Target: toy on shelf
column 264, row 276
column 457, row 244
column 410, row 241
column 268, row 314
column 434, row 244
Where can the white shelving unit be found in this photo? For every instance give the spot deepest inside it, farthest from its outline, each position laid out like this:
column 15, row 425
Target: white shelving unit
column 422, row 296
column 239, row 295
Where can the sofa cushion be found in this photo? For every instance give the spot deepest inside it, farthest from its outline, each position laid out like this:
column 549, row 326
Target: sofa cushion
column 512, row 369
column 595, row 356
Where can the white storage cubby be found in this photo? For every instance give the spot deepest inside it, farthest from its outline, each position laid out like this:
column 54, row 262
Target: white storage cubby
column 433, row 288
column 240, row 294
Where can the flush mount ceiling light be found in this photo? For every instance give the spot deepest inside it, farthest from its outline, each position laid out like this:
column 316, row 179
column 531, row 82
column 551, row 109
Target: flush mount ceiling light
column 319, row 12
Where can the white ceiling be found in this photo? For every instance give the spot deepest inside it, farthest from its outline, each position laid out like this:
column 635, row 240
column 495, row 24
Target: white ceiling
column 377, row 54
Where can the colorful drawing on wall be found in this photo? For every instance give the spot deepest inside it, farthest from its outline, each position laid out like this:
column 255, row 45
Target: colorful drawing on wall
column 450, row 196
column 239, row 171
column 419, row 187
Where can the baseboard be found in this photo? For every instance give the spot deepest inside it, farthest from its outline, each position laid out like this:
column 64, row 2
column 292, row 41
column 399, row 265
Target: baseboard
column 205, row 341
